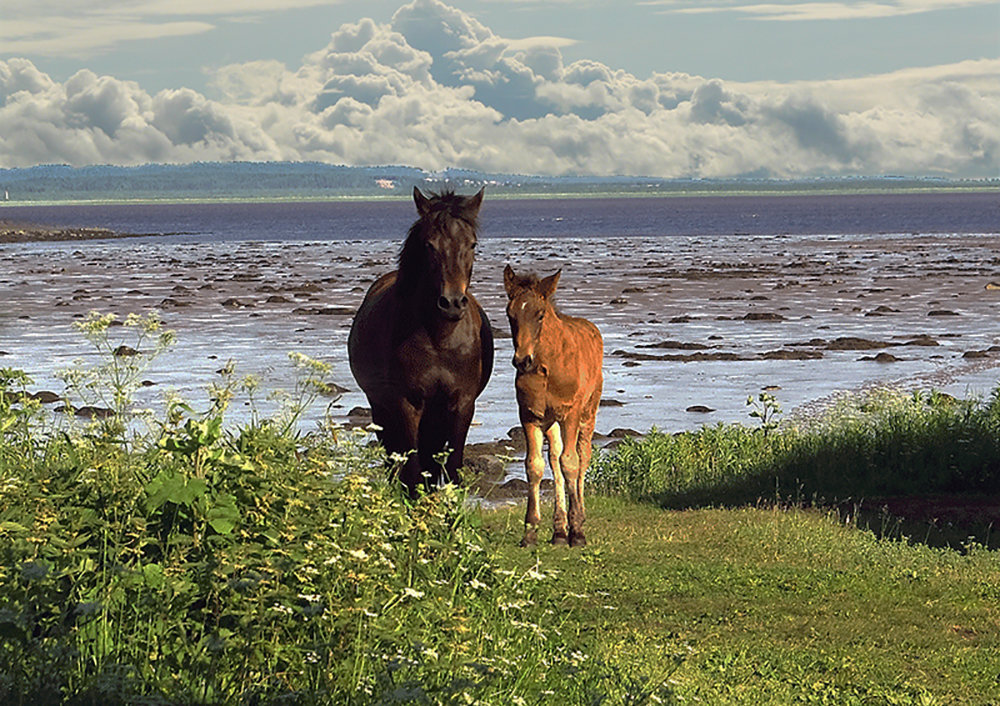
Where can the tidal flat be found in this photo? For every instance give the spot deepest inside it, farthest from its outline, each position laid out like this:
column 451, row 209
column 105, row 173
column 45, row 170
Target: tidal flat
column 692, row 325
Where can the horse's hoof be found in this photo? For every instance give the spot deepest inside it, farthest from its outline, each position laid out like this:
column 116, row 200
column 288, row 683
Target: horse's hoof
column 577, row 539
column 559, row 539
column 529, row 540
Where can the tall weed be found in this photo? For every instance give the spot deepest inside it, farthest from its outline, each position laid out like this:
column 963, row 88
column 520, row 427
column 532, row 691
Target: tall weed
column 198, row 563
column 879, row 443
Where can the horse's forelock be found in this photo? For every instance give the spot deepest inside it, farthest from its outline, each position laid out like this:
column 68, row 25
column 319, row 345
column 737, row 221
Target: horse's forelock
column 442, row 208
column 449, row 205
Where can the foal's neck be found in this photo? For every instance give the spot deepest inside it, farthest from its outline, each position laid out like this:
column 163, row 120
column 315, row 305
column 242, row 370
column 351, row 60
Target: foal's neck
column 553, row 332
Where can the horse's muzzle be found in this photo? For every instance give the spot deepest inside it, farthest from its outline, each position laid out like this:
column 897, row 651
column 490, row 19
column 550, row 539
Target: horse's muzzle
column 453, row 308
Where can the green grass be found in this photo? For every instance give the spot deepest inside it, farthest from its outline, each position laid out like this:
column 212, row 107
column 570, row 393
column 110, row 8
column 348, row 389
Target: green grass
column 176, row 559
column 777, row 606
column 882, row 444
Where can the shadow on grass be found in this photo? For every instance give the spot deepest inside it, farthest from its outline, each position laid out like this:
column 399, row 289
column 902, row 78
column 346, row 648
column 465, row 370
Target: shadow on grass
column 921, row 467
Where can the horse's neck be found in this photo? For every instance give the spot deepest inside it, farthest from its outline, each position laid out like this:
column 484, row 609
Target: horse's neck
column 416, row 309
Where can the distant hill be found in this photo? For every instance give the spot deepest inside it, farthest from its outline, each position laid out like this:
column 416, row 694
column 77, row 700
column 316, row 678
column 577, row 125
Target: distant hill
column 310, row 180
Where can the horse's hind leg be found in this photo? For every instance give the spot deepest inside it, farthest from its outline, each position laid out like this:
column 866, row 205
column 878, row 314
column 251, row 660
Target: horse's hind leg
column 560, row 534
column 534, row 467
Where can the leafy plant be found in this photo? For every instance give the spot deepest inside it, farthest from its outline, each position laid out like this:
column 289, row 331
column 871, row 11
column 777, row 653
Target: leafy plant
column 201, row 563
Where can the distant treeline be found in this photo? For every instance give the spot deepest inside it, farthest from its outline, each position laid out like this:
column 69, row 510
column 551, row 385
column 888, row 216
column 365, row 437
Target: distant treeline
column 312, row 180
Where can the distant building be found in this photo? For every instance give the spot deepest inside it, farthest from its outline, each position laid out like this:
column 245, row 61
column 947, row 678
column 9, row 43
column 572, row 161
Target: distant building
column 385, row 183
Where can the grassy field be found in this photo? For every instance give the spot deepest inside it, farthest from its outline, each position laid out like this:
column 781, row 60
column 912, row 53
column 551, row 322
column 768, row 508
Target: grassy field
column 169, row 558
column 776, row 606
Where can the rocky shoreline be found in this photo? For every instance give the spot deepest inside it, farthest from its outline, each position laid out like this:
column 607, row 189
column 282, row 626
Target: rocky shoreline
column 16, row 232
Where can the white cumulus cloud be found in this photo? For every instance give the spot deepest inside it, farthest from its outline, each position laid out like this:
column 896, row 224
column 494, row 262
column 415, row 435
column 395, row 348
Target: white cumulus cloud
column 436, row 88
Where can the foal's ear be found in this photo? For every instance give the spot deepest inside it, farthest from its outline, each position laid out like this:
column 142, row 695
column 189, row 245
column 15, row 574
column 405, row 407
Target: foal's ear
column 547, row 286
column 510, row 281
column 472, row 203
column 423, row 203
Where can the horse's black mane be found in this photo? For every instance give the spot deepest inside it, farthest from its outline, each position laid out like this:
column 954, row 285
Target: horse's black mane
column 443, row 207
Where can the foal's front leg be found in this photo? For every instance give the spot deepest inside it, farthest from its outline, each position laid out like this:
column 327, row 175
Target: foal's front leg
column 534, row 467
column 559, row 532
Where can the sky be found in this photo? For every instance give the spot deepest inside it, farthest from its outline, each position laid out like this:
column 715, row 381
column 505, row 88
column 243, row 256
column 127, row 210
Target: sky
column 665, row 88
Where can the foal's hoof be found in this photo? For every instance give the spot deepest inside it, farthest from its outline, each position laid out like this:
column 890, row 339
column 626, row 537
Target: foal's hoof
column 559, row 539
column 576, row 539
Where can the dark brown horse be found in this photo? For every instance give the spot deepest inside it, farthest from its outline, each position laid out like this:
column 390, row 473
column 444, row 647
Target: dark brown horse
column 559, row 377
column 421, row 347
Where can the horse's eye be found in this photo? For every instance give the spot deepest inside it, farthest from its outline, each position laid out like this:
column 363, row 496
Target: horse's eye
column 541, row 315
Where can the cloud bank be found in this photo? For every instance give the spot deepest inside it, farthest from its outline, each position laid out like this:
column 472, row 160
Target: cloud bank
column 435, row 88
column 820, row 11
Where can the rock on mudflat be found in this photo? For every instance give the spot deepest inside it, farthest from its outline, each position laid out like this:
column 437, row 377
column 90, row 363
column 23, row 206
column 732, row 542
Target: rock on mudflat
column 882, row 357
column 45, row 397
column 700, row 409
column 323, row 311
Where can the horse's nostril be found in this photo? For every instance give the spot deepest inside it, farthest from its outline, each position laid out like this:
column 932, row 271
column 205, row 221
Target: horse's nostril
column 464, row 301
column 444, row 303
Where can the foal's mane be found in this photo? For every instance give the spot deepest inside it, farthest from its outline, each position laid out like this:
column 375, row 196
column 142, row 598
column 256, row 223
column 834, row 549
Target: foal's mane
column 442, row 208
column 530, row 280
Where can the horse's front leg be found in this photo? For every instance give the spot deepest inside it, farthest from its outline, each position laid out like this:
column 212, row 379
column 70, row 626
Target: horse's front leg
column 534, row 467
column 461, row 420
column 400, row 423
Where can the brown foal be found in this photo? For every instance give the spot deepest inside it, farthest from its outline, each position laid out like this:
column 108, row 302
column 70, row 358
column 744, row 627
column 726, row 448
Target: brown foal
column 559, row 377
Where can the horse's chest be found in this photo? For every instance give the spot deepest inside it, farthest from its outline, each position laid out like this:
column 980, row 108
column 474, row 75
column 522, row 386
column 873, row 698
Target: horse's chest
column 428, row 366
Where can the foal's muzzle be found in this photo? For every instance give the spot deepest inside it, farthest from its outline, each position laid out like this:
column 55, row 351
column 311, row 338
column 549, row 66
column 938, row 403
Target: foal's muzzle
column 524, row 364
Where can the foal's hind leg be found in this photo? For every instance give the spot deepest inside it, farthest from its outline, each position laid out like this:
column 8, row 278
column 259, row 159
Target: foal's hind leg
column 559, row 530
column 585, row 448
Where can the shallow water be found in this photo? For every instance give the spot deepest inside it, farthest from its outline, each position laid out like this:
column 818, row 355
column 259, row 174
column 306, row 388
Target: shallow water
column 634, row 288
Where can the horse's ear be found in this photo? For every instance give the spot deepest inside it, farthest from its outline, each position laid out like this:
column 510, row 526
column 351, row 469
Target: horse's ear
column 510, row 281
column 547, row 286
column 423, row 203
column 473, row 203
